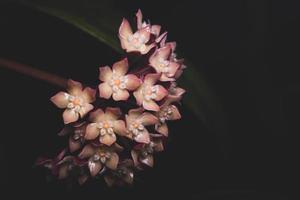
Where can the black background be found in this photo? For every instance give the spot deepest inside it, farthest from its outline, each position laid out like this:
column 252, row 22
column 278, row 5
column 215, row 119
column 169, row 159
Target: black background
column 248, row 52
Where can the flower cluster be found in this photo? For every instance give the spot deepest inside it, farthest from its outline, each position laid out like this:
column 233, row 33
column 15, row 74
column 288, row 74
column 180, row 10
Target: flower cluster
column 115, row 129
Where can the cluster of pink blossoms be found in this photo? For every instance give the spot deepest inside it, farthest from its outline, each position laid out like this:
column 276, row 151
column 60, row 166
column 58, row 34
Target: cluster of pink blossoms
column 116, row 129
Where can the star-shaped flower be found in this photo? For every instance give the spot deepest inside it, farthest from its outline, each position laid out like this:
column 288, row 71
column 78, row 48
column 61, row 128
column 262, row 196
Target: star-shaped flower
column 105, row 125
column 76, row 102
column 116, row 83
column 136, row 120
column 148, row 93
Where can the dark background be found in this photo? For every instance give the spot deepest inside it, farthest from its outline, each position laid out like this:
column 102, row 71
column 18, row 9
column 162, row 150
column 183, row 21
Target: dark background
column 248, row 52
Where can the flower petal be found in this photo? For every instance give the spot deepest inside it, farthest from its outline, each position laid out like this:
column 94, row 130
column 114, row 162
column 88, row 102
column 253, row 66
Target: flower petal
column 134, row 156
column 119, row 127
column 74, row 145
column 74, row 87
column 143, row 137
column 120, row 67
column 108, row 139
column 155, row 30
column 92, row 131
column 145, row 33
column 121, row 95
column 87, row 151
column 105, row 90
column 148, row 160
column 175, row 113
column 163, row 129
column 69, row 116
column 89, row 95
column 97, row 115
column 138, row 96
column 148, row 119
column 125, row 29
column 133, row 82
column 105, row 73
column 85, row 109
column 113, row 161
column 146, row 48
column 60, row 99
column 161, row 93
column 151, row 79
column 94, row 167
column 150, row 105
column 112, row 113
column 139, row 19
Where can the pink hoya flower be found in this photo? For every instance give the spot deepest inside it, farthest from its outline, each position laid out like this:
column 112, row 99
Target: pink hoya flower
column 154, row 29
column 100, row 157
column 136, row 120
column 105, row 125
column 76, row 102
column 160, row 61
column 135, row 42
column 116, row 83
column 148, row 93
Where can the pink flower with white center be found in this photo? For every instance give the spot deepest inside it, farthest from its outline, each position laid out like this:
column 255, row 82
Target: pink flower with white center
column 136, row 120
column 162, row 64
column 76, row 102
column 154, row 29
column 148, row 93
column 167, row 113
column 116, row 83
column 135, row 42
column 105, row 125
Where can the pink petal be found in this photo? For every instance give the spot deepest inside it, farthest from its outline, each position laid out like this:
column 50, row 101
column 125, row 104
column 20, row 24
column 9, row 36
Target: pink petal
column 155, row 30
column 148, row 119
column 151, row 79
column 138, row 96
column 148, row 160
column 92, row 131
column 89, row 95
column 60, row 99
column 119, row 127
column 139, row 19
column 105, row 90
column 135, row 112
column 74, row 145
column 113, row 161
column 134, row 156
column 146, row 48
column 70, row 116
column 74, row 87
column 87, row 151
column 161, row 93
column 164, row 52
column 105, row 73
column 172, row 45
column 112, row 113
column 143, row 137
column 163, row 129
column 121, row 67
column 145, row 32
column 97, row 116
column 85, row 109
column 165, row 78
column 158, row 146
column 133, row 82
column 94, row 167
column 162, row 39
column 175, row 113
column 121, row 95
column 150, row 105
column 125, row 29
column 108, row 139
column 173, row 67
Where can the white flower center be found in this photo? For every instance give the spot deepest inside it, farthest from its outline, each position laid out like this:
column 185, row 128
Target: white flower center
column 136, row 128
column 75, row 102
column 118, row 82
column 105, row 127
column 150, row 92
column 165, row 114
column 136, row 40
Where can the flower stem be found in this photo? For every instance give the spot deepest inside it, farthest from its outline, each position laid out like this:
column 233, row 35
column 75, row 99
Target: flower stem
column 33, row 72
